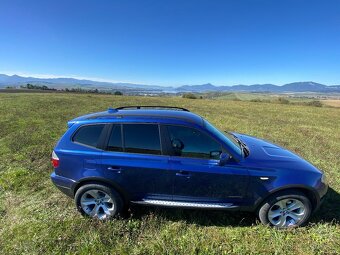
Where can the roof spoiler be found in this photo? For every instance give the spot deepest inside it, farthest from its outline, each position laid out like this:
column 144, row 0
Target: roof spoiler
column 70, row 123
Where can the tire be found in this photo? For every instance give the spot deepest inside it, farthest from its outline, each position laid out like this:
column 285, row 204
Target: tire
column 98, row 201
column 285, row 209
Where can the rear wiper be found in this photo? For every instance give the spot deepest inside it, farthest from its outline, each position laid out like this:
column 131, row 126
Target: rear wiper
column 243, row 146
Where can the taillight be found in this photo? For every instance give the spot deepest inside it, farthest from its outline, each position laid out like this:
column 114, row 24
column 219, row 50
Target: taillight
column 54, row 160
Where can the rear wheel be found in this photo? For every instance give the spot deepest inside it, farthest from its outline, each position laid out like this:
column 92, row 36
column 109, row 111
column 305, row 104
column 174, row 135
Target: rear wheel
column 98, row 201
column 285, row 209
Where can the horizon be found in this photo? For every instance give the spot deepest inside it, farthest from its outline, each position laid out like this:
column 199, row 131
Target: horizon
column 173, row 43
column 42, row 76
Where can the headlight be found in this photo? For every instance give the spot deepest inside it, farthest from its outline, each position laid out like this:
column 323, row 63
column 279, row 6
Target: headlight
column 324, row 179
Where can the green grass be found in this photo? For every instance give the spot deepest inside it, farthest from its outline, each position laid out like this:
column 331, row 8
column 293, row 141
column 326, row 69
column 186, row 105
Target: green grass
column 246, row 96
column 36, row 218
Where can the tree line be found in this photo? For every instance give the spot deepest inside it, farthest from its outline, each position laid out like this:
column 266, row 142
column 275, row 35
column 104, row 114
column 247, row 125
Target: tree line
column 72, row 90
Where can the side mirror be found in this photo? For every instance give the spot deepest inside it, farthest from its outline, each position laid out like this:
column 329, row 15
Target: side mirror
column 224, row 158
column 215, row 154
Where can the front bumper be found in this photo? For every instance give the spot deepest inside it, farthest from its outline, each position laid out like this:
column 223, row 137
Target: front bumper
column 322, row 191
column 63, row 184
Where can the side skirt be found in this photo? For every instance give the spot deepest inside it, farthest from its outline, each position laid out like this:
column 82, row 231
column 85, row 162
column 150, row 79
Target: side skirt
column 185, row 204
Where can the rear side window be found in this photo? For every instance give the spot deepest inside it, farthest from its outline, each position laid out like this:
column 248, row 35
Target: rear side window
column 115, row 140
column 142, row 138
column 88, row 135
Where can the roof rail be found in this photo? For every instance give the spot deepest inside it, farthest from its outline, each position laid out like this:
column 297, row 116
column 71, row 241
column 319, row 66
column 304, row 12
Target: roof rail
column 152, row 106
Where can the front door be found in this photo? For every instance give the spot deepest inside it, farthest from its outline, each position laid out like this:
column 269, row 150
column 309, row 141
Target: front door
column 198, row 175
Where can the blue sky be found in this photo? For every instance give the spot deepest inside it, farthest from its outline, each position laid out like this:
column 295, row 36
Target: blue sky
column 173, row 42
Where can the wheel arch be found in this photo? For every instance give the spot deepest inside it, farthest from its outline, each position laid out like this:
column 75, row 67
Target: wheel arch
column 101, row 181
column 308, row 192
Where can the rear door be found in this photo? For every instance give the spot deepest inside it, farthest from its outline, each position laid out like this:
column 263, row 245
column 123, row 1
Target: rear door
column 134, row 160
column 198, row 175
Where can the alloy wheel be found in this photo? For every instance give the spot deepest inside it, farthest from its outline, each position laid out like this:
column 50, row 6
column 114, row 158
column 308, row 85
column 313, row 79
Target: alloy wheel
column 97, row 204
column 286, row 213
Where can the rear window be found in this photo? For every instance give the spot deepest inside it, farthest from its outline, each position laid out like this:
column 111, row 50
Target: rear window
column 142, row 138
column 88, row 135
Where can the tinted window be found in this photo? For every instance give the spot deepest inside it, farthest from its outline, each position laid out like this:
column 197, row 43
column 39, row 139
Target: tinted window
column 189, row 142
column 225, row 137
column 88, row 135
column 142, row 138
column 115, row 141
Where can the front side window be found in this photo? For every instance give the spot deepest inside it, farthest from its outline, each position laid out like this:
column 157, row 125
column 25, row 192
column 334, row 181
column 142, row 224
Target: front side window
column 142, row 138
column 225, row 137
column 190, row 142
column 88, row 135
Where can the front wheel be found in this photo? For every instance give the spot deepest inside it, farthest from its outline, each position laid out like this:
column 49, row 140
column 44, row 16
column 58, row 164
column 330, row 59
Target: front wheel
column 285, row 209
column 98, row 201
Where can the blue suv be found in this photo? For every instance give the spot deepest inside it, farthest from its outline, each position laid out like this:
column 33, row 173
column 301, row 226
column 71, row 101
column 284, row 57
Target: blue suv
column 168, row 156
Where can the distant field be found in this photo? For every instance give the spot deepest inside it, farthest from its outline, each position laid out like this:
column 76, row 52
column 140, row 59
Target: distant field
column 245, row 96
column 26, row 91
column 35, row 218
column 327, row 99
column 334, row 103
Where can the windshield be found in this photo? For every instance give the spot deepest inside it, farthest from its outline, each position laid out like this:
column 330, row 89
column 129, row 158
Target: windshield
column 225, row 137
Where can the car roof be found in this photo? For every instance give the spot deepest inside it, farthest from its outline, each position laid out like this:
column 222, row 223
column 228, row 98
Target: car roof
column 143, row 113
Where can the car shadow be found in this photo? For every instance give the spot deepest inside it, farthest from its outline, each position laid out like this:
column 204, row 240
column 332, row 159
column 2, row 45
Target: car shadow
column 330, row 208
column 329, row 212
column 201, row 217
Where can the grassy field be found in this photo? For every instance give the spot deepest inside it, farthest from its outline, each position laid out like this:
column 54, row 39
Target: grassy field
column 325, row 99
column 35, row 218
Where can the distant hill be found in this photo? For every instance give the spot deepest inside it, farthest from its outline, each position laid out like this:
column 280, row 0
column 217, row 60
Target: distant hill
column 59, row 83
column 203, row 87
column 291, row 87
column 16, row 80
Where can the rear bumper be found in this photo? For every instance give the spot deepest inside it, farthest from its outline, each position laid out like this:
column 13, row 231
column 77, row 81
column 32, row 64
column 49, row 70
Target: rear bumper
column 63, row 184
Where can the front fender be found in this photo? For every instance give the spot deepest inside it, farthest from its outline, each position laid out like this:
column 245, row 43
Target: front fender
column 264, row 184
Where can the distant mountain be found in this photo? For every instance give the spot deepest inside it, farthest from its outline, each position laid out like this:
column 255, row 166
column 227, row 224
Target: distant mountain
column 203, row 87
column 291, row 87
column 304, row 86
column 59, row 83
column 63, row 82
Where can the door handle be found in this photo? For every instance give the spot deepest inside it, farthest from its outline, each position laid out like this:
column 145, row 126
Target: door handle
column 115, row 169
column 183, row 174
